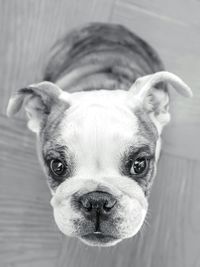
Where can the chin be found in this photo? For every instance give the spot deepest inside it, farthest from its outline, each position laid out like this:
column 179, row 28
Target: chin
column 99, row 240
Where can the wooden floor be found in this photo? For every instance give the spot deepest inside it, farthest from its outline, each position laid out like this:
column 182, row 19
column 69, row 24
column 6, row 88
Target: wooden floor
column 28, row 235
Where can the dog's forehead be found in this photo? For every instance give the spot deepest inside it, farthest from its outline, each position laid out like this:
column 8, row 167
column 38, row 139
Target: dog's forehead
column 98, row 115
column 104, row 124
column 100, row 123
column 95, row 129
column 106, row 109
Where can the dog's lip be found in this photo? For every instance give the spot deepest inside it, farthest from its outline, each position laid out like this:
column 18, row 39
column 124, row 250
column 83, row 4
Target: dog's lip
column 99, row 237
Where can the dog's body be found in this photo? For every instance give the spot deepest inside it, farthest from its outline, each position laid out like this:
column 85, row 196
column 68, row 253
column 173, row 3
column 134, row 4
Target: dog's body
column 101, row 56
column 99, row 139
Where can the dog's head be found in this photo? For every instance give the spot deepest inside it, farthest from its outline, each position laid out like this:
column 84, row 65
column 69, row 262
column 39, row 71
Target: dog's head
column 99, row 150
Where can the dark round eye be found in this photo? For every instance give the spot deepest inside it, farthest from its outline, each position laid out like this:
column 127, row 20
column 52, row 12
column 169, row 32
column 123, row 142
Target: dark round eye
column 139, row 166
column 57, row 167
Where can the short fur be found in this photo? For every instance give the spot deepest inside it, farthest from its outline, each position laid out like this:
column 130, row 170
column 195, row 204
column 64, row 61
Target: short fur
column 115, row 56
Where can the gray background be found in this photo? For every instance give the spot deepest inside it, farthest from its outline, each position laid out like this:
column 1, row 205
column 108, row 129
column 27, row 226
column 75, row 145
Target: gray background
column 28, row 235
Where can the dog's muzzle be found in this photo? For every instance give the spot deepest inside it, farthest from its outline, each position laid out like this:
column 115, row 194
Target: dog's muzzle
column 97, row 207
column 99, row 214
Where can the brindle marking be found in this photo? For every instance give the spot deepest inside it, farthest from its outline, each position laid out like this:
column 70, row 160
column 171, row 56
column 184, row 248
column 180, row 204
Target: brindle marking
column 114, row 56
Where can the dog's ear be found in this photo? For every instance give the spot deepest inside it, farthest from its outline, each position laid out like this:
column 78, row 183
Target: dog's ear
column 38, row 101
column 156, row 100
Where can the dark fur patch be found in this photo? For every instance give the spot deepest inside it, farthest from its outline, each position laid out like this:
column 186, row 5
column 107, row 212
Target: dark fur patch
column 51, row 145
column 121, row 55
column 127, row 160
column 148, row 132
column 52, row 151
column 146, row 127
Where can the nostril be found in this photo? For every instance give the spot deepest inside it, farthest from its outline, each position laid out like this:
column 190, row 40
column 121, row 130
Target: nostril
column 108, row 205
column 106, row 208
column 97, row 202
column 86, row 204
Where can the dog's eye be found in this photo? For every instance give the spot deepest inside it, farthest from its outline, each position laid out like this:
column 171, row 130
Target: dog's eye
column 58, row 168
column 139, row 166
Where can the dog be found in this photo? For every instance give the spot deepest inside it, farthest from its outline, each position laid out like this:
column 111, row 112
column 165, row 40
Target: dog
column 98, row 117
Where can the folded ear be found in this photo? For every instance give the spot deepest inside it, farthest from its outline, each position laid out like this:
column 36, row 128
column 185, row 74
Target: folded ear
column 155, row 101
column 38, row 101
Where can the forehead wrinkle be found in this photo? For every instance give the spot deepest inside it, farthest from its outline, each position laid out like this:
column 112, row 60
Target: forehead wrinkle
column 57, row 149
column 137, row 146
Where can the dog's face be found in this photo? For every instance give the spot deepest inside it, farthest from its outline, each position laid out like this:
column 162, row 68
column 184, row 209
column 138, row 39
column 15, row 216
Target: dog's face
column 99, row 150
column 100, row 158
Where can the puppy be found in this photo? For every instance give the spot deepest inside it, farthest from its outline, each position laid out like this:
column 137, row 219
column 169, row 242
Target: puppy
column 98, row 118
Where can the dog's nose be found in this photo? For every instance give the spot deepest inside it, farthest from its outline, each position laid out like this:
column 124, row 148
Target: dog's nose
column 97, row 203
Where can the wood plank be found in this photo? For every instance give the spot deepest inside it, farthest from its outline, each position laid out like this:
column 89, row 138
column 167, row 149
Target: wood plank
column 180, row 12
column 178, row 45
column 28, row 234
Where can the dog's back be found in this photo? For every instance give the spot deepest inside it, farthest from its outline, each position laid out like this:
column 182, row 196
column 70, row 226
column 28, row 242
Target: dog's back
column 100, row 56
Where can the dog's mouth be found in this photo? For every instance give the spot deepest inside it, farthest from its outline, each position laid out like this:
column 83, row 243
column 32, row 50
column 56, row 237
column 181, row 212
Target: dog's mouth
column 99, row 239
